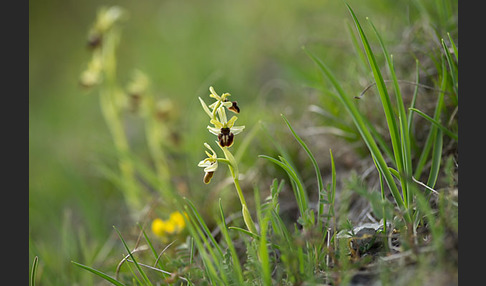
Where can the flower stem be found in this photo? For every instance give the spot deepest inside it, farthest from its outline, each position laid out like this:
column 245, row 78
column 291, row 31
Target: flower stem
column 250, row 225
column 110, row 102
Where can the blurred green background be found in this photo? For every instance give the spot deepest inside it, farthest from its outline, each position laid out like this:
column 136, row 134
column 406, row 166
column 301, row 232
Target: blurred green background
column 251, row 49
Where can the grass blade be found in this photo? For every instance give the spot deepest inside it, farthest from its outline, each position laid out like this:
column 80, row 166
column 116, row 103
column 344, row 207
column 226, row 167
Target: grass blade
column 200, row 232
column 242, row 230
column 436, row 123
column 140, row 270
column 382, row 91
column 229, row 242
column 454, row 47
column 201, row 242
column 414, row 99
column 157, row 260
column 436, row 159
column 356, row 45
column 99, row 273
column 365, row 133
column 312, row 158
column 33, row 272
column 452, row 66
column 433, row 130
column 203, row 225
column 300, row 194
column 404, row 141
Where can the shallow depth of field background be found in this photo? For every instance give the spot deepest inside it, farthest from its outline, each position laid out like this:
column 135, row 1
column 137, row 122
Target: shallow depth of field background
column 251, row 49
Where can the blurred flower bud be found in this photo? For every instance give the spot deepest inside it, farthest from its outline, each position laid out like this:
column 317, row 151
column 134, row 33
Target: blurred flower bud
column 136, row 89
column 92, row 75
column 105, row 20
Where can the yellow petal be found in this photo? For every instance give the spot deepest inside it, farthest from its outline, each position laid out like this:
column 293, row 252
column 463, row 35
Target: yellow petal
column 158, row 227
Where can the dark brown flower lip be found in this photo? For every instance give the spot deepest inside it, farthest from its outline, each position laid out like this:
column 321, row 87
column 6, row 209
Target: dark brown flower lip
column 234, row 107
column 207, row 177
column 226, row 137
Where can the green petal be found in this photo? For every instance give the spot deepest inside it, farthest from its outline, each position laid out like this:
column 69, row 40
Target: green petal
column 205, row 107
column 216, row 123
column 231, row 121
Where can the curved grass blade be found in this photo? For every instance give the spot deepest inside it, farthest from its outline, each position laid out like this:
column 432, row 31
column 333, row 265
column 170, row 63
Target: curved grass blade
column 365, row 133
column 436, row 123
column 229, row 242
column 313, row 160
column 433, row 130
column 263, row 250
column 356, row 45
column 382, row 91
column 201, row 242
column 33, row 272
column 140, row 270
column 157, row 260
column 249, row 233
column 403, row 124
column 299, row 192
column 436, row 159
column 414, row 99
column 454, row 47
column 383, row 198
column 452, row 66
column 99, row 273
column 203, row 225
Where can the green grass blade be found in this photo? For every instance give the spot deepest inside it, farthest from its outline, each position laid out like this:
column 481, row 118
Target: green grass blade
column 384, row 97
column 454, row 47
column 234, row 256
column 312, row 158
column 203, row 226
column 298, row 181
column 281, row 231
column 140, row 270
column 99, row 273
column 433, row 130
column 383, row 198
column 403, row 123
column 332, row 192
column 365, row 133
column 356, row 45
column 414, row 97
column 331, row 195
column 263, row 251
column 154, row 252
column 299, row 192
column 200, row 240
column 242, row 230
column 437, row 124
column 135, row 277
column 452, row 66
column 205, row 243
column 380, row 141
column 436, row 159
column 33, row 272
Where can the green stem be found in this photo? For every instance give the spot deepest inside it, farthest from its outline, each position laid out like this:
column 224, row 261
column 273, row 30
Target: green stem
column 110, row 106
column 239, row 191
column 155, row 134
column 235, row 174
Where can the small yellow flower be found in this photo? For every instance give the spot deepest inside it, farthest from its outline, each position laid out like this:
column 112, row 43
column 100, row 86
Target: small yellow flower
column 174, row 225
column 177, row 220
column 159, row 227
